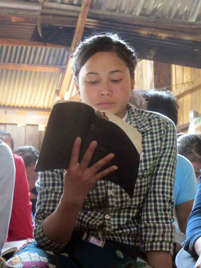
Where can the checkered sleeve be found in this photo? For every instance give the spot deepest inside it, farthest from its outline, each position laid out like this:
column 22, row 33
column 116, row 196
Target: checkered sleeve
column 157, row 231
column 50, row 188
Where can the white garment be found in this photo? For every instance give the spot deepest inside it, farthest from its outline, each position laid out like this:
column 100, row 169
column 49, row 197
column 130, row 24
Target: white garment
column 7, row 181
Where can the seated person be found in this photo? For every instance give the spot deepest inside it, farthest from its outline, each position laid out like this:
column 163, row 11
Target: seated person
column 21, row 225
column 7, row 181
column 190, row 255
column 84, row 221
column 30, row 156
column 189, row 145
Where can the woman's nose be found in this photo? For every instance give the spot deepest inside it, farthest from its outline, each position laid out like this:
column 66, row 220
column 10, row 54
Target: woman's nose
column 105, row 90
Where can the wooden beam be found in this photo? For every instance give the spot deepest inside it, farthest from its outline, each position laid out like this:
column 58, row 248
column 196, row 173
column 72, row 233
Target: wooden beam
column 23, row 119
column 32, row 19
column 183, row 128
column 188, row 88
column 162, row 75
column 31, row 67
column 19, row 42
column 76, row 39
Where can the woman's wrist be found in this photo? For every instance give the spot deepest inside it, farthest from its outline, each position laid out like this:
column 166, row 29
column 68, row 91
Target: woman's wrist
column 70, row 202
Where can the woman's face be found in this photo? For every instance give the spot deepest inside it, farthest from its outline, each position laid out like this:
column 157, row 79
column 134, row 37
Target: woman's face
column 105, row 83
column 32, row 176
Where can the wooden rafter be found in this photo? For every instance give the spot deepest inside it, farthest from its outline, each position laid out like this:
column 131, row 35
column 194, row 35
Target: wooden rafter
column 20, row 42
column 76, row 39
column 31, row 67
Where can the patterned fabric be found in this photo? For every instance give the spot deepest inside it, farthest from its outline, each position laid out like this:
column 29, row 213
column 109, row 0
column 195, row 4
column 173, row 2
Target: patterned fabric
column 77, row 254
column 108, row 212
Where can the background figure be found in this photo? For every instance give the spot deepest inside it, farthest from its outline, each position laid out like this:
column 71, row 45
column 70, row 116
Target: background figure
column 160, row 101
column 6, row 137
column 185, row 183
column 189, row 145
column 21, row 226
column 30, row 156
column 7, row 181
column 190, row 255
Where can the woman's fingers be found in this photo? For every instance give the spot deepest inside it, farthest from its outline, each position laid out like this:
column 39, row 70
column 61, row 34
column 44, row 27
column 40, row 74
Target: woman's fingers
column 75, row 152
column 105, row 172
column 83, row 165
column 101, row 163
column 88, row 155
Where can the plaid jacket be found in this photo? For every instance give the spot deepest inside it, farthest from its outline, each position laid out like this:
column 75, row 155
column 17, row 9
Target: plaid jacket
column 108, row 212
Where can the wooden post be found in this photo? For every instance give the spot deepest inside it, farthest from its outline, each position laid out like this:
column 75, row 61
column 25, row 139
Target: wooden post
column 76, row 39
column 162, row 75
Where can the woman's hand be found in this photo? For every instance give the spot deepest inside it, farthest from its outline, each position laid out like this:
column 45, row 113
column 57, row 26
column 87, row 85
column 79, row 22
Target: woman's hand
column 79, row 179
column 198, row 263
column 197, row 247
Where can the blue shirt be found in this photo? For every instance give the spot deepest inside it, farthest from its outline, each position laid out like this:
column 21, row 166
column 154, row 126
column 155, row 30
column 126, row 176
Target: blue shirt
column 193, row 230
column 185, row 181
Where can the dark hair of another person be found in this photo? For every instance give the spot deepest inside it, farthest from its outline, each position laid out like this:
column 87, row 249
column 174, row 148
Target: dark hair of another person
column 28, row 153
column 6, row 134
column 189, row 145
column 162, row 102
column 103, row 43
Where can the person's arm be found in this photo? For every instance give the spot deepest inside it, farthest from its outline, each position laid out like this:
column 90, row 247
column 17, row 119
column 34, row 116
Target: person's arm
column 183, row 210
column 157, row 230
column 78, row 181
column 7, row 180
column 184, row 191
column 193, row 230
column 159, row 259
column 21, row 225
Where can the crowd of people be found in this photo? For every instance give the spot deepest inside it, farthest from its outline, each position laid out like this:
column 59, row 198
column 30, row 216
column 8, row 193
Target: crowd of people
column 76, row 218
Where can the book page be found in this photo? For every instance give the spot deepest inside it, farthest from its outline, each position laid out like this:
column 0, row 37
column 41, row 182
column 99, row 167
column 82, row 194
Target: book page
column 12, row 246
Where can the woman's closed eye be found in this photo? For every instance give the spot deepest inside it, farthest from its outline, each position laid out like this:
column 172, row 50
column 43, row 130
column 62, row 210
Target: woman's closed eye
column 116, row 80
column 93, row 82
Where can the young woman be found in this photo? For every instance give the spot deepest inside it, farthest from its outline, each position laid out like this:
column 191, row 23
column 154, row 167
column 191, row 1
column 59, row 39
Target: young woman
column 89, row 222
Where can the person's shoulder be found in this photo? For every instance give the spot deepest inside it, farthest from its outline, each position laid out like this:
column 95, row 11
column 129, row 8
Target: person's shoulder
column 154, row 117
column 184, row 163
column 5, row 149
column 18, row 160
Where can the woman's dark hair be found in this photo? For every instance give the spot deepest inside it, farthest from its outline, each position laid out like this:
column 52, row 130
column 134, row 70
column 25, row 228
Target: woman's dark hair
column 161, row 101
column 189, row 145
column 28, row 153
column 103, row 43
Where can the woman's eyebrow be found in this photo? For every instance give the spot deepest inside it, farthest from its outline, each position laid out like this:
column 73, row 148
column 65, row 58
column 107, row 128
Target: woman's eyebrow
column 92, row 73
column 116, row 71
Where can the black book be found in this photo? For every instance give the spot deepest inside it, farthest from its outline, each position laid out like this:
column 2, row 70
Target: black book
column 69, row 120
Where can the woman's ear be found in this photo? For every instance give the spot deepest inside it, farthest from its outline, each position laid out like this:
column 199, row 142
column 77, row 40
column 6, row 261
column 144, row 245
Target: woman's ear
column 76, row 85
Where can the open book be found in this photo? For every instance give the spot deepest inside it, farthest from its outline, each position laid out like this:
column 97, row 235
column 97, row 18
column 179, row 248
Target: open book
column 12, row 246
column 69, row 120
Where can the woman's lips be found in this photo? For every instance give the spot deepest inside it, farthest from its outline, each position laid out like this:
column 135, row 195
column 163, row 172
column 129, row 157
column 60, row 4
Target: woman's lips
column 105, row 104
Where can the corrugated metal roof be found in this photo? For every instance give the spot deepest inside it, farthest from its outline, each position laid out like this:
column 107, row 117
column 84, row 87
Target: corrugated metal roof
column 33, row 55
column 27, row 89
column 34, row 89
column 187, row 10
column 30, row 89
